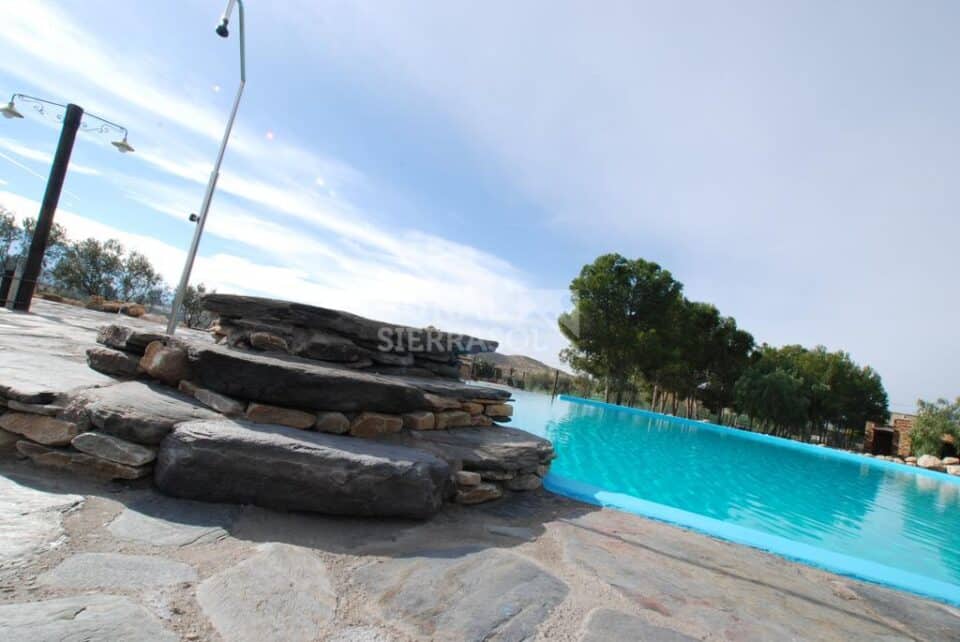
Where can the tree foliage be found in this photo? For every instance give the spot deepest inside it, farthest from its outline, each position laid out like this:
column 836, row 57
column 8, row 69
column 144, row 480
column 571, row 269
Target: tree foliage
column 15, row 240
column 632, row 328
column 621, row 318
column 104, row 268
column 194, row 316
column 9, row 234
column 935, row 420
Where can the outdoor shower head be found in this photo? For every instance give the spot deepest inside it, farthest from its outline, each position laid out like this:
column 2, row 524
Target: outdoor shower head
column 222, row 30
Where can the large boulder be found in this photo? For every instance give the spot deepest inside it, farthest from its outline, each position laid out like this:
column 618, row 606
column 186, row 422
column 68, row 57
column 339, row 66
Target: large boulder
column 289, row 469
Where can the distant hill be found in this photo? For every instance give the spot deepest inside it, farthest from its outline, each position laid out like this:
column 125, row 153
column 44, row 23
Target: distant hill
column 518, row 362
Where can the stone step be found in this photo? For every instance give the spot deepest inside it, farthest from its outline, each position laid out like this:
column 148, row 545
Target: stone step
column 135, row 411
column 36, row 378
column 289, row 469
column 494, row 449
column 299, row 383
column 280, row 315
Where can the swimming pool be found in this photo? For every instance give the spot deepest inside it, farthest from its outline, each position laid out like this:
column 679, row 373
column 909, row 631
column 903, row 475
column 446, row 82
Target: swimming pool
column 870, row 519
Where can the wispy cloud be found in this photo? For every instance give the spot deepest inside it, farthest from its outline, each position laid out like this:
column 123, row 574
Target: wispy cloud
column 44, row 158
column 292, row 229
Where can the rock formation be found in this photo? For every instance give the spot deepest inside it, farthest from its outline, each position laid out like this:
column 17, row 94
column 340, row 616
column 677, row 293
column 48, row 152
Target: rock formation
column 304, row 408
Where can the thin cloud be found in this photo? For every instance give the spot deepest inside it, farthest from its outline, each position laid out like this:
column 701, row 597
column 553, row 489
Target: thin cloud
column 44, row 158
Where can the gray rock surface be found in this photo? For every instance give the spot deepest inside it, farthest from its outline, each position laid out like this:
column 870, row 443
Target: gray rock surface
column 333, row 422
column 31, row 521
column 221, row 403
column 281, row 593
column 297, row 383
column 456, row 390
column 161, row 521
column 117, row 572
column 925, row 620
column 607, row 625
column 289, row 469
column 81, row 618
column 495, row 448
column 8, row 440
column 39, row 428
column 49, row 410
column 275, row 313
column 462, row 595
column 113, row 362
column 478, row 494
column 78, row 462
column 127, row 338
column 113, row 448
column 40, row 378
column 140, row 412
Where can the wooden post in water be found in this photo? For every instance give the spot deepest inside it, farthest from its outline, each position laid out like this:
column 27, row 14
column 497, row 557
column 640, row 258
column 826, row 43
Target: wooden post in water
column 556, row 381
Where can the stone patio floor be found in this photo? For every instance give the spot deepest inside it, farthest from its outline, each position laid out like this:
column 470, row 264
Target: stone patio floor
column 84, row 559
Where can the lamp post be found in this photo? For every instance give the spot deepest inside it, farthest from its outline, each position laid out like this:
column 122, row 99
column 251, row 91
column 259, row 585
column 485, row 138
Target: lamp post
column 223, row 32
column 73, row 119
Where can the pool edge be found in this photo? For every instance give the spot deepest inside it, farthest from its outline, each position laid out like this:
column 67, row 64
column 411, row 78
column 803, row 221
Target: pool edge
column 823, row 559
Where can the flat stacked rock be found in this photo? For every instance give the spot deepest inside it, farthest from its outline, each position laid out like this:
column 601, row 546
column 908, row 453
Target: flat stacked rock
column 290, row 469
column 339, row 337
column 304, row 408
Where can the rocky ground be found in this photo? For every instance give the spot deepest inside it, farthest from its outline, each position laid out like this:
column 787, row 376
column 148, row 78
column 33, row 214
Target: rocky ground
column 84, row 559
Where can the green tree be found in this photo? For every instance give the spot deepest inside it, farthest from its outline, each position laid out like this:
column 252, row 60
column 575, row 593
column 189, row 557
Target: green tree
column 621, row 310
column 775, row 398
column 139, row 281
column 837, row 393
column 56, row 244
column 194, row 316
column 935, row 420
column 729, row 355
column 9, row 233
column 103, row 268
column 15, row 240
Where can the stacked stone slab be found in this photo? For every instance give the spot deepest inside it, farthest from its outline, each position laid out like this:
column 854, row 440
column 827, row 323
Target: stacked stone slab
column 251, row 423
column 337, row 337
column 448, row 419
column 34, row 393
column 48, row 435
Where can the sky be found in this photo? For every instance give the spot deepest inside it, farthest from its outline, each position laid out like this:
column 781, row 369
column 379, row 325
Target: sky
column 456, row 164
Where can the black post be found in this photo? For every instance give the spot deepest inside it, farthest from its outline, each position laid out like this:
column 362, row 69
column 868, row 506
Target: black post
column 38, row 245
column 7, row 279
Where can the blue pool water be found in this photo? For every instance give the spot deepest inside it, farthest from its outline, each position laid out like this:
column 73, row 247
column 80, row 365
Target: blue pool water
column 870, row 519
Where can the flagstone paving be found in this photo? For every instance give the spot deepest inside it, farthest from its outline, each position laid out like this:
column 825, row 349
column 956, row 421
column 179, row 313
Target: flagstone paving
column 542, row 568
column 84, row 559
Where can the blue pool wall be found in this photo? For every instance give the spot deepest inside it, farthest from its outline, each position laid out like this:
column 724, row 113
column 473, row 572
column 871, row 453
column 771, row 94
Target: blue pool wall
column 818, row 557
